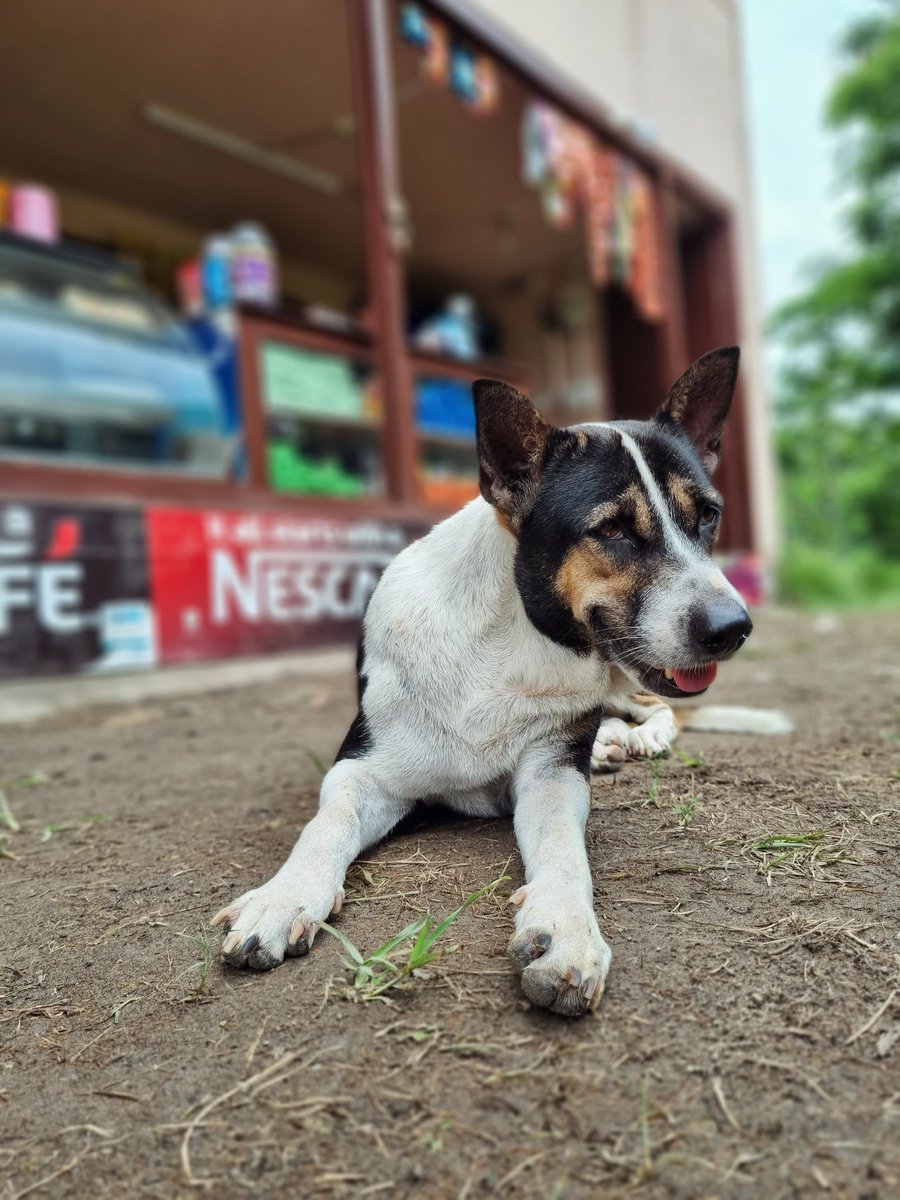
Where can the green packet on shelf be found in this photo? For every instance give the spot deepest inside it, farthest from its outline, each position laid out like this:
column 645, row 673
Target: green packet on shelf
column 291, row 472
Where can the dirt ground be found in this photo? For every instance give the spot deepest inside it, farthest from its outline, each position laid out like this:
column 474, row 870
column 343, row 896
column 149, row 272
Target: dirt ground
column 748, row 1044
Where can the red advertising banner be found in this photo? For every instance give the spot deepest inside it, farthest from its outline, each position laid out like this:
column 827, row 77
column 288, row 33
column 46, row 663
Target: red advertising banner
column 231, row 582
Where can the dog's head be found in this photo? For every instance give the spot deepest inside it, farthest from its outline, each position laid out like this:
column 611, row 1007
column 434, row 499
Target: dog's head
column 615, row 525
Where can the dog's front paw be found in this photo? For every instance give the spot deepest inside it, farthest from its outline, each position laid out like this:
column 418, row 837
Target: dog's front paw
column 269, row 922
column 563, row 961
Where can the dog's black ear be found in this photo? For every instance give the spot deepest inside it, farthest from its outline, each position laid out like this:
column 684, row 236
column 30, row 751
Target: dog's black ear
column 700, row 400
column 512, row 436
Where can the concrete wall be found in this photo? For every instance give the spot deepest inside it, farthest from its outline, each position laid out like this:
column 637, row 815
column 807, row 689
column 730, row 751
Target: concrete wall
column 673, row 69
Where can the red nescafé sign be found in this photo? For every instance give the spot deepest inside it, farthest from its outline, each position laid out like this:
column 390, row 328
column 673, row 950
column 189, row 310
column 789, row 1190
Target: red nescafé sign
column 88, row 588
column 228, row 582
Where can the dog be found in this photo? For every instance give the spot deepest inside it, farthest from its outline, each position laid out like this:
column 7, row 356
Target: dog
column 508, row 651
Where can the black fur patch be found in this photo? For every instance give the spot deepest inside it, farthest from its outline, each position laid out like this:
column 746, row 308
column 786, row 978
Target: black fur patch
column 580, row 736
column 359, row 737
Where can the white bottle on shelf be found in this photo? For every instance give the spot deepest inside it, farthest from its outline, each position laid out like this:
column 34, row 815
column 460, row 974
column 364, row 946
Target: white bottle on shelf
column 254, row 267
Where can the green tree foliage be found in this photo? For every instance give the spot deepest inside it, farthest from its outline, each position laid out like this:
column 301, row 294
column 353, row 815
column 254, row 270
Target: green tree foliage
column 838, row 395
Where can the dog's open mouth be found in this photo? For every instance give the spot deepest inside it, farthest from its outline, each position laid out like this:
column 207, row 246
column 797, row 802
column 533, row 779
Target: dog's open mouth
column 678, row 681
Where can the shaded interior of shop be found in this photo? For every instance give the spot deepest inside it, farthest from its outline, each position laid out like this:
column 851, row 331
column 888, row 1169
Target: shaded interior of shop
column 184, row 120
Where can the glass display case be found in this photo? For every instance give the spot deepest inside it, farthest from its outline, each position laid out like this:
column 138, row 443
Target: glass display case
column 95, row 371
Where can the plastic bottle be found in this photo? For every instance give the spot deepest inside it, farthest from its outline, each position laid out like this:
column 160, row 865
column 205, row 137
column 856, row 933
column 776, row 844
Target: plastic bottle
column 254, row 268
column 216, row 271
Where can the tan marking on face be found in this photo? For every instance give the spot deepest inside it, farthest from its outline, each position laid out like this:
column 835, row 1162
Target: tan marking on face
column 677, row 490
column 634, row 502
column 587, row 578
column 641, row 513
column 644, row 698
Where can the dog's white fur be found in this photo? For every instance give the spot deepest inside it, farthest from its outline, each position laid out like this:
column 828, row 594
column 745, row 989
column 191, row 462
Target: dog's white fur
column 467, row 703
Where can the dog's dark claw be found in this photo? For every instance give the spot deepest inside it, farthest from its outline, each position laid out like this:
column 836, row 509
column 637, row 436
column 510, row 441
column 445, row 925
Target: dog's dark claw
column 248, row 953
column 236, row 951
column 301, row 946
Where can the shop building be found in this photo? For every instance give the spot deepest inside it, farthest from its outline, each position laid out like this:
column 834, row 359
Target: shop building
column 254, row 255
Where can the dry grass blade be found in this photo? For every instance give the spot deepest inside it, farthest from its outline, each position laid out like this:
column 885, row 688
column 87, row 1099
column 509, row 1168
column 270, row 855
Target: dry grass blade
column 806, row 854
column 873, row 1020
column 719, row 1094
column 239, row 1088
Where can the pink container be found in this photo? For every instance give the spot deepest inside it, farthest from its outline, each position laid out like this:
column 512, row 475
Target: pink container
column 33, row 212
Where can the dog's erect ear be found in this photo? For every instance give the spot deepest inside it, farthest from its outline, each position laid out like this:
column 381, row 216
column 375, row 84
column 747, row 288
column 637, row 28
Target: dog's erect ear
column 512, row 436
column 700, row 400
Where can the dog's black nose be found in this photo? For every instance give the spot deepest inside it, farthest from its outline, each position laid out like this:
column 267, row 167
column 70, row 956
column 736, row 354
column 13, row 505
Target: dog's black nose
column 720, row 629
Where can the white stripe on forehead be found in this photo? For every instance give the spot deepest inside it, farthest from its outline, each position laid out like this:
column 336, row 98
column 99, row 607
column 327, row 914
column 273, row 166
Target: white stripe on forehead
column 674, row 536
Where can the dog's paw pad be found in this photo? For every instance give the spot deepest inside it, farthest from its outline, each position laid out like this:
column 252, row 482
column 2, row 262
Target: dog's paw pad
column 563, row 960
column 529, row 945
column 565, row 992
column 616, row 741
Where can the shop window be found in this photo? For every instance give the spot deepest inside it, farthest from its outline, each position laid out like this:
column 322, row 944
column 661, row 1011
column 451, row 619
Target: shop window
column 526, row 226
column 197, row 173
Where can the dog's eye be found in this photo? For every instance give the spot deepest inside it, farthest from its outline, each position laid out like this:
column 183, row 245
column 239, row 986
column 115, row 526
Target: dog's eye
column 709, row 514
column 610, row 531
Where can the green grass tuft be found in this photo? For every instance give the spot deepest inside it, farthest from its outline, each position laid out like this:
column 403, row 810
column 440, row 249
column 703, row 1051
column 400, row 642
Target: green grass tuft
column 395, row 962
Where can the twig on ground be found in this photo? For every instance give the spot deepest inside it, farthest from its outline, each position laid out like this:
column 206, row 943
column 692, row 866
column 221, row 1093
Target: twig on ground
column 723, row 1105
column 204, row 1112
column 873, row 1020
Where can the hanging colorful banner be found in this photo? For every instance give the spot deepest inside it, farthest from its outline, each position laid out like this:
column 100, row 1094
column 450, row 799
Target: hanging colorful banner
column 449, row 61
column 574, row 171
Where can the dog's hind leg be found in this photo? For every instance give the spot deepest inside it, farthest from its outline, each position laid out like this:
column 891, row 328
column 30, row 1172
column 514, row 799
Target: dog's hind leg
column 616, row 741
column 558, row 945
column 281, row 917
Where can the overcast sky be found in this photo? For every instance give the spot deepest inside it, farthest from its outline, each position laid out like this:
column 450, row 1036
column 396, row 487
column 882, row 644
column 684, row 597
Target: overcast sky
column 791, row 60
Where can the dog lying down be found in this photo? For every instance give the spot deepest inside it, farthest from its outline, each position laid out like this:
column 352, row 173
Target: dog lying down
column 508, row 650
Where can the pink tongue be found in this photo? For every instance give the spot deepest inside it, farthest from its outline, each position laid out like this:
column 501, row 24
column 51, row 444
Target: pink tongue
column 696, row 679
